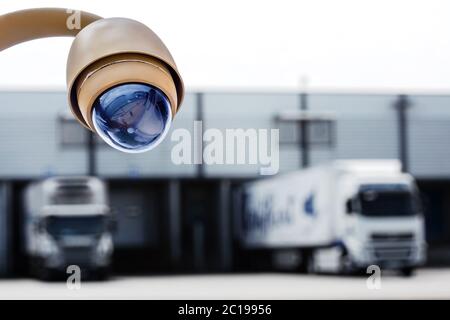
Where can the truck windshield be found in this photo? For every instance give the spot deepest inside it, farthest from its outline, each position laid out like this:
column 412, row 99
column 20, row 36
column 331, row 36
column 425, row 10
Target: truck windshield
column 72, row 226
column 382, row 202
column 72, row 195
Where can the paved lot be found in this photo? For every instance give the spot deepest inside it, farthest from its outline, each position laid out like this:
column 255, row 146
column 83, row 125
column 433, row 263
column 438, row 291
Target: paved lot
column 427, row 284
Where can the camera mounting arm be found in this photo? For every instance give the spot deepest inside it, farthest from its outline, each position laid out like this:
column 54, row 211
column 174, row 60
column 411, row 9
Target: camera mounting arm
column 25, row 25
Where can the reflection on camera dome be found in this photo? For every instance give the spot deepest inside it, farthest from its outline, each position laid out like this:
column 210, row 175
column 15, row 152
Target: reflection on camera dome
column 132, row 117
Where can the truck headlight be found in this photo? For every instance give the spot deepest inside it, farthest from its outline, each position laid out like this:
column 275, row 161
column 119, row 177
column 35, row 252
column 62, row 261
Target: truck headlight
column 51, row 251
column 104, row 246
column 49, row 247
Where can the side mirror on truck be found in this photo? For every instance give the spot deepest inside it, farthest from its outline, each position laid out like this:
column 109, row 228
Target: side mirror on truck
column 112, row 226
column 39, row 225
column 349, row 206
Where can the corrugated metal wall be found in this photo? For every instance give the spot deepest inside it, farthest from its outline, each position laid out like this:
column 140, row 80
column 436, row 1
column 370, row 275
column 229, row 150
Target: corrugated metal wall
column 366, row 125
column 429, row 136
column 30, row 134
column 247, row 111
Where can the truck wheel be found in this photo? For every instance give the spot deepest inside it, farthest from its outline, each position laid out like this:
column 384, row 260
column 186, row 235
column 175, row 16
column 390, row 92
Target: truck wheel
column 310, row 264
column 407, row 271
column 304, row 265
column 45, row 274
column 102, row 274
column 39, row 271
column 345, row 265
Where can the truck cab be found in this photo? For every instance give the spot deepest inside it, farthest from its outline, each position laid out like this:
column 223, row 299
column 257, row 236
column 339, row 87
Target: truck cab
column 68, row 222
column 383, row 222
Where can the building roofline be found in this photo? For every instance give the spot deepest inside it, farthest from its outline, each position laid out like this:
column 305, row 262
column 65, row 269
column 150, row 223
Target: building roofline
column 268, row 90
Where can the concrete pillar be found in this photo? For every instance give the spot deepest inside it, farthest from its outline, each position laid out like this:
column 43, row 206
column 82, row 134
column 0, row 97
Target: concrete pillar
column 402, row 104
column 174, row 205
column 225, row 232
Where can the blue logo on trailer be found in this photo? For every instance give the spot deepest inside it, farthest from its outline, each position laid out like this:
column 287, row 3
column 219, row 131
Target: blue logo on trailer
column 309, row 205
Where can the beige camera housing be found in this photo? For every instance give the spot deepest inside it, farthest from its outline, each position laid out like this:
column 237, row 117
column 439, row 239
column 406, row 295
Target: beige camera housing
column 104, row 53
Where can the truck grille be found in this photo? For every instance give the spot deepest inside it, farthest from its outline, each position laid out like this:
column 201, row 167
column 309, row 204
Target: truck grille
column 77, row 255
column 389, row 253
column 390, row 246
column 392, row 237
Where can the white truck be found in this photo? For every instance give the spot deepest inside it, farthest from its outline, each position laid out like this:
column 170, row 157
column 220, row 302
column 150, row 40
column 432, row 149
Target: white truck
column 335, row 218
column 68, row 222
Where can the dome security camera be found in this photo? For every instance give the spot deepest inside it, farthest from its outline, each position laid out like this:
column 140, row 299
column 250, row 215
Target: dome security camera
column 122, row 81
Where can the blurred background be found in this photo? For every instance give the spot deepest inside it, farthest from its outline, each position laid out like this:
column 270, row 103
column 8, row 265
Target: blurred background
column 178, row 217
column 378, row 71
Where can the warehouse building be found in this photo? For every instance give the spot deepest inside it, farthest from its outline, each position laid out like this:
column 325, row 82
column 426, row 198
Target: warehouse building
column 178, row 217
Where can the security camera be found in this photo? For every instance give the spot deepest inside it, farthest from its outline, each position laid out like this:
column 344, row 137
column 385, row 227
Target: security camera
column 122, row 81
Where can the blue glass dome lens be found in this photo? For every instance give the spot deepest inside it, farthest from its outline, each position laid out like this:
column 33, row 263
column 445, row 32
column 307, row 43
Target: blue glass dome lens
column 132, row 117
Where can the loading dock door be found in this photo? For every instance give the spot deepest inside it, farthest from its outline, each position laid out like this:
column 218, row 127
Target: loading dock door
column 139, row 209
column 200, row 219
column 132, row 215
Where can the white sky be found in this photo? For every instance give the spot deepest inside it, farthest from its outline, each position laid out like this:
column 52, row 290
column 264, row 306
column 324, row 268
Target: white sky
column 345, row 44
